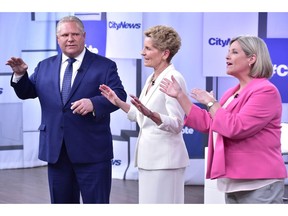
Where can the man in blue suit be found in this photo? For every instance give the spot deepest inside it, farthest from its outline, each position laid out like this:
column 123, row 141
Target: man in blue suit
column 75, row 135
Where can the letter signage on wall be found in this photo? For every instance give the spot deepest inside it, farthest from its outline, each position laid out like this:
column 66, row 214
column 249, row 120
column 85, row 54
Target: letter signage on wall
column 278, row 52
column 218, row 29
column 124, row 35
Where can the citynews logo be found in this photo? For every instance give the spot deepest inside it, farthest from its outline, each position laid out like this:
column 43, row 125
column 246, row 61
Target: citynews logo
column 1, row 91
column 218, row 42
column 123, row 25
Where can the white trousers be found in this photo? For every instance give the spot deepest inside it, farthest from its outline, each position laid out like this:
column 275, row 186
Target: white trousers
column 161, row 186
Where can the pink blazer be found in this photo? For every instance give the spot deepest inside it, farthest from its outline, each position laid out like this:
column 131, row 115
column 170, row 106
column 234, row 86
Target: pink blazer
column 248, row 142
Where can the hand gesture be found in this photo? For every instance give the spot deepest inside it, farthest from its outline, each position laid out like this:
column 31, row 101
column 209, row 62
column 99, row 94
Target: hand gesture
column 82, row 106
column 137, row 103
column 18, row 66
column 107, row 92
column 202, row 96
column 170, row 87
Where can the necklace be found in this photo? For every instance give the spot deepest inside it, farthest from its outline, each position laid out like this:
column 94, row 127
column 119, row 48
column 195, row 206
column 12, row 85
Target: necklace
column 153, row 80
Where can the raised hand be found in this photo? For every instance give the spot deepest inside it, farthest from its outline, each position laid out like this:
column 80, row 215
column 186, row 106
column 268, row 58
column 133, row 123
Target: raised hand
column 18, row 66
column 107, row 92
column 170, row 87
column 202, row 96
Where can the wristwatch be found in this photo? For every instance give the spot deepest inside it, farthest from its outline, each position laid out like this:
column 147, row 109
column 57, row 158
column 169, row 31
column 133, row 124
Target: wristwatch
column 210, row 104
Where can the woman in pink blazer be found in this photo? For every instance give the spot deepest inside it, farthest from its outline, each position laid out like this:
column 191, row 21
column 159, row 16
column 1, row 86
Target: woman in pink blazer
column 244, row 149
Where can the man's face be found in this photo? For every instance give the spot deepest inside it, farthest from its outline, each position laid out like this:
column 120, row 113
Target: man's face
column 71, row 39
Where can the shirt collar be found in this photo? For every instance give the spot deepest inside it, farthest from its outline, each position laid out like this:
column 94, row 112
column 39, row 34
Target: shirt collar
column 78, row 58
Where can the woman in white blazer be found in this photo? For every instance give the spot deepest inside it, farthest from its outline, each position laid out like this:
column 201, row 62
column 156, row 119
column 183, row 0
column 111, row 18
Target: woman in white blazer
column 161, row 155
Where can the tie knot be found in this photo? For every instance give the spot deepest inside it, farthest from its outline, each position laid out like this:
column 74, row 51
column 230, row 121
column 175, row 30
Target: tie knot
column 71, row 60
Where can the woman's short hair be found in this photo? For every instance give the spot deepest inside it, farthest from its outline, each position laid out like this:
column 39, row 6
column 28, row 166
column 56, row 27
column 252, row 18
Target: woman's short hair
column 164, row 38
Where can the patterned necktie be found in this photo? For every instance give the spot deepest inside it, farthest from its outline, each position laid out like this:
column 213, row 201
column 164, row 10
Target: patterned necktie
column 66, row 85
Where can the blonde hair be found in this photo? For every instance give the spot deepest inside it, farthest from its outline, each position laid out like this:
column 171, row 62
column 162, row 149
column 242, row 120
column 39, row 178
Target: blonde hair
column 262, row 68
column 164, row 38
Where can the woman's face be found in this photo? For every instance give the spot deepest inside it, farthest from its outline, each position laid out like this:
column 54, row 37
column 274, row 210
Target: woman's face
column 237, row 63
column 152, row 56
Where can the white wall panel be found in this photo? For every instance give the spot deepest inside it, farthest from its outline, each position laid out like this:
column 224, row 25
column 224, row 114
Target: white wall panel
column 218, row 29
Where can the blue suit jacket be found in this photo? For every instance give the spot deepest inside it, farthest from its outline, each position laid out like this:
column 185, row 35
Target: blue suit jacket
column 88, row 138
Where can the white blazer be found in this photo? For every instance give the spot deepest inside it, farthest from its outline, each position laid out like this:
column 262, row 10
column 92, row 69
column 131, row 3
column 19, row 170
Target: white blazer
column 163, row 146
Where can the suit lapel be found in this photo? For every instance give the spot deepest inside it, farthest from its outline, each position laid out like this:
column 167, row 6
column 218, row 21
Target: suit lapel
column 226, row 97
column 145, row 98
column 87, row 60
column 242, row 94
column 56, row 76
